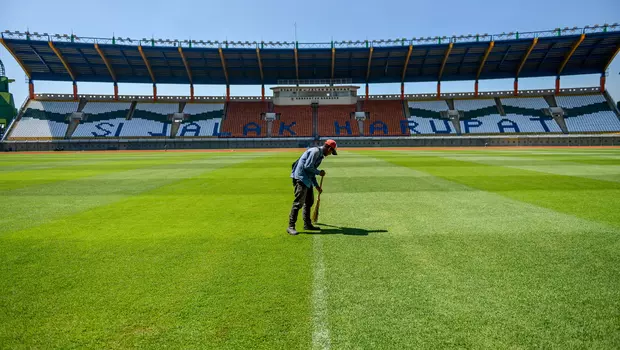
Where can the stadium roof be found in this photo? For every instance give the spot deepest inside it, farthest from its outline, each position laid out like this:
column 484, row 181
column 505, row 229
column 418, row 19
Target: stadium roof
column 567, row 51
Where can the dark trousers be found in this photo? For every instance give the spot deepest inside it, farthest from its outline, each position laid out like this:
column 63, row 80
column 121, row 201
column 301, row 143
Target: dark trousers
column 304, row 197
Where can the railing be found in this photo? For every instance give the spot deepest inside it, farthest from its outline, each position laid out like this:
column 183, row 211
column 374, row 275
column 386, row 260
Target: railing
column 124, row 98
column 224, row 44
column 345, row 81
column 423, row 96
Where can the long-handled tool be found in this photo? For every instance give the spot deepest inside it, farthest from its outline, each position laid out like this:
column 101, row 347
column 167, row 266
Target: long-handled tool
column 315, row 212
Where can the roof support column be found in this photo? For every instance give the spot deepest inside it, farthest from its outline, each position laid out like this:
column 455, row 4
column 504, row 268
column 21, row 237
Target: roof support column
column 570, row 53
column 148, row 68
column 333, row 62
column 260, row 66
column 367, row 92
column 402, row 91
column 224, row 65
column 17, row 59
column 369, row 61
column 603, row 82
column 115, row 91
column 107, row 63
column 31, row 94
column 63, row 61
column 191, row 92
column 443, row 65
column 484, row 60
column 296, row 64
column 262, row 93
column 557, row 85
column 402, row 78
column 75, row 91
column 227, row 93
column 516, row 87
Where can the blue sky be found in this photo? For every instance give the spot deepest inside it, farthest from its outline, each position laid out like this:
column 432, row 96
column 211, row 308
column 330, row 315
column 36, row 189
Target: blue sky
column 317, row 21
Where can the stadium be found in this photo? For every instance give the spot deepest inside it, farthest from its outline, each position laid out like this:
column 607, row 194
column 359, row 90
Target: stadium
column 315, row 97
column 475, row 219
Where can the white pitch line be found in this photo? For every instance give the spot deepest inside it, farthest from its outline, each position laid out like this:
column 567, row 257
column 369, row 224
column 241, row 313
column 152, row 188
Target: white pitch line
column 320, row 333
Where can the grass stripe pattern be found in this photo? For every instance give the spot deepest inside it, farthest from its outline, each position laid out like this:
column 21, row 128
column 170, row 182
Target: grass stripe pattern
column 425, row 249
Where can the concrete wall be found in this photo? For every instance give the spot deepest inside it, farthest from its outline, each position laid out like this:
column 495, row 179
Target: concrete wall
column 458, row 141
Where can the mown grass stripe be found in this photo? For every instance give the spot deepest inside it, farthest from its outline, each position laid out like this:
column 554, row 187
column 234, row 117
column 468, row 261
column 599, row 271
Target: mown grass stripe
column 320, row 312
column 461, row 267
column 180, row 264
column 581, row 197
column 39, row 204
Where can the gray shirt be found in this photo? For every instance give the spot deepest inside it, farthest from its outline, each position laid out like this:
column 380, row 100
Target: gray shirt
column 308, row 166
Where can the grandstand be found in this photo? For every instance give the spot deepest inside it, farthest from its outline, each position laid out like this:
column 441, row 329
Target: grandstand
column 318, row 99
column 7, row 104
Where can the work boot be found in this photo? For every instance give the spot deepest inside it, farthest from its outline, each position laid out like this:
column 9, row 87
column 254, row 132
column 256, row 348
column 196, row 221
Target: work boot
column 291, row 231
column 310, row 227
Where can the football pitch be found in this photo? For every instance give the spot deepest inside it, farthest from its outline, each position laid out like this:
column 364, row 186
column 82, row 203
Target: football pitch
column 463, row 248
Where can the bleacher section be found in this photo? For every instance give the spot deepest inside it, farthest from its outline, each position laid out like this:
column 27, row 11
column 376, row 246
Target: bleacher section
column 44, row 120
column 385, row 118
column 335, row 120
column 476, row 108
column 527, row 114
column 108, row 119
column 425, row 118
column 132, row 119
column 243, row 119
column 204, row 120
column 523, row 115
column 102, row 119
column 294, row 121
column 588, row 113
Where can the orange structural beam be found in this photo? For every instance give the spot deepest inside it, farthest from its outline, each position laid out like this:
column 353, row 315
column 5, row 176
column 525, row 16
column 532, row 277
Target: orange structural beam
column 107, row 63
column 296, row 64
column 612, row 58
column 260, row 65
column 516, row 87
column 187, row 69
column 223, row 64
column 148, row 66
column 571, row 52
column 445, row 59
column 31, row 90
column 333, row 61
column 62, row 60
column 527, row 54
column 369, row 61
column 484, row 60
column 402, row 78
column 19, row 61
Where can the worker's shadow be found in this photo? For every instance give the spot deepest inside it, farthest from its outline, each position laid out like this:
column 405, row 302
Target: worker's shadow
column 337, row 230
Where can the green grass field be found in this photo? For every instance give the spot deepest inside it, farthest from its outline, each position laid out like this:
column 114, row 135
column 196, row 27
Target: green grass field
column 495, row 248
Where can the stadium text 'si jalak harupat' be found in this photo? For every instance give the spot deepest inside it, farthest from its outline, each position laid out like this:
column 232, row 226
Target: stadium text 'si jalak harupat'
column 316, row 95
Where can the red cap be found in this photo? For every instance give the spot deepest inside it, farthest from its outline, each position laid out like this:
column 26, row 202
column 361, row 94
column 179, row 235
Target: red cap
column 332, row 144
